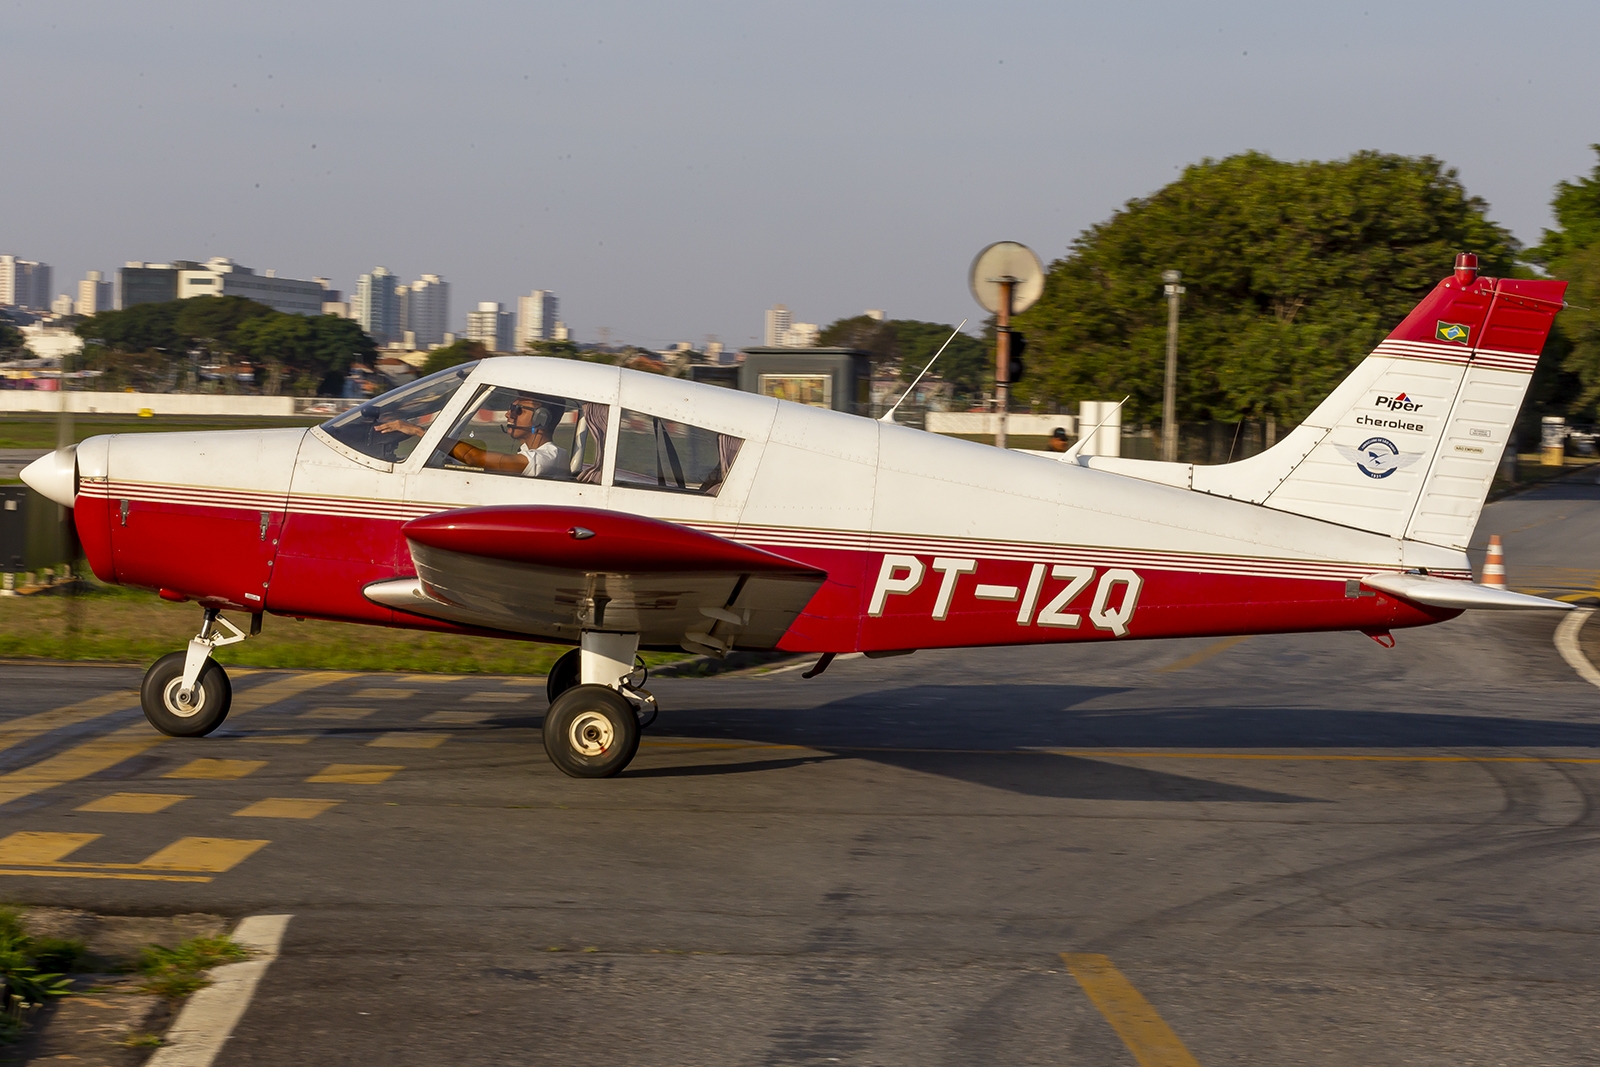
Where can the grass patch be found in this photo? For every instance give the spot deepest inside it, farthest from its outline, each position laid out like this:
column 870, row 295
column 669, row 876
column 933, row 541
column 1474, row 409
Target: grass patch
column 26, row 982
column 116, row 624
column 140, row 1039
column 38, row 429
column 177, row 972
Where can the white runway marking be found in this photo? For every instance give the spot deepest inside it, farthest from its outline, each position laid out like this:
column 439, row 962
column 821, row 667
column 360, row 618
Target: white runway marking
column 1567, row 645
column 208, row 1019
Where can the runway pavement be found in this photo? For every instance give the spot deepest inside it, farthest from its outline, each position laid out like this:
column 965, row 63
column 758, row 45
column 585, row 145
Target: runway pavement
column 1302, row 849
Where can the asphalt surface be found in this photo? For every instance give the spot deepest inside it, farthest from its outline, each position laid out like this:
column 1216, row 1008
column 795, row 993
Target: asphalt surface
column 1304, row 849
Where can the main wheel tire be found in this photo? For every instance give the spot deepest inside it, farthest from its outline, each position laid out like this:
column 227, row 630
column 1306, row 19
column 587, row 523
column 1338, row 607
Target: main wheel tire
column 590, row 731
column 564, row 674
column 213, row 695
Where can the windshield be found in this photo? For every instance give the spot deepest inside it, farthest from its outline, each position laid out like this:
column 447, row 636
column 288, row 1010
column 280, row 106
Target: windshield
column 388, row 427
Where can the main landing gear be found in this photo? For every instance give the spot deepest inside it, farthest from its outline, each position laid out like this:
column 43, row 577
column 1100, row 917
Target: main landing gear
column 598, row 706
column 187, row 694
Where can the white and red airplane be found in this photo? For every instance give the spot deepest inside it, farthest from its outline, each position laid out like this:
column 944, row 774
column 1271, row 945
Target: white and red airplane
column 617, row 511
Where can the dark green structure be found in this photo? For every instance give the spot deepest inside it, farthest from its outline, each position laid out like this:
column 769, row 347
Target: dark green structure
column 837, row 378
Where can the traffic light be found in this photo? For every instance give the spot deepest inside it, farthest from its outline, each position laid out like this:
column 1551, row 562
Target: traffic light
column 1018, row 345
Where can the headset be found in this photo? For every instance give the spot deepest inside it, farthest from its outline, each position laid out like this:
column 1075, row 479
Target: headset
column 543, row 414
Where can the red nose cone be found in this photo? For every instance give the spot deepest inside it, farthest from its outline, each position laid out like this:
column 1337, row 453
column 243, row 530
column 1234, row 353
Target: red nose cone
column 1467, row 267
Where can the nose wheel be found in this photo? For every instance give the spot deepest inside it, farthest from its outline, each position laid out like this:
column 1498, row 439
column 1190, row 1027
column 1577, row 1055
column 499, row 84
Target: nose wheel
column 177, row 712
column 187, row 694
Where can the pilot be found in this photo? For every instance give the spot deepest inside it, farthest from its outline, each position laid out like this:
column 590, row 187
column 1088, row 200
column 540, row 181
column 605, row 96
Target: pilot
column 530, row 421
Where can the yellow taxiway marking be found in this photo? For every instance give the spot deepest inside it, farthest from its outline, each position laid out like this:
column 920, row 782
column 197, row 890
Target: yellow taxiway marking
column 217, row 768
column 286, row 808
column 80, row 761
column 134, row 803
column 27, row 847
column 404, row 740
column 200, row 855
column 1336, row 757
column 340, row 714
column 1146, row 1034
column 523, row 681
column 494, row 698
column 355, row 773
column 212, row 855
column 104, row 752
column 457, row 718
column 384, row 694
column 1213, row 649
column 413, row 679
column 27, row 727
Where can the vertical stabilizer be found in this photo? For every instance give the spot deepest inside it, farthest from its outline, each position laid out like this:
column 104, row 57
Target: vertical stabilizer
column 1408, row 444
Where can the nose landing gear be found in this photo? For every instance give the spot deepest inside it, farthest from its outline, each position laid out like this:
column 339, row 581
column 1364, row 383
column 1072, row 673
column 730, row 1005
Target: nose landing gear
column 187, row 694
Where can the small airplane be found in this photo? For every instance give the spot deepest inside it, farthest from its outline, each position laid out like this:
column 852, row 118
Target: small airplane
column 615, row 511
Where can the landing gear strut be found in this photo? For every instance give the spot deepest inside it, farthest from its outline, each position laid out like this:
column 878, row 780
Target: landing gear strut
column 187, row 694
column 598, row 706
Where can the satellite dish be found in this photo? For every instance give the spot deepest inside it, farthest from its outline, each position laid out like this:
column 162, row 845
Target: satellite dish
column 1007, row 260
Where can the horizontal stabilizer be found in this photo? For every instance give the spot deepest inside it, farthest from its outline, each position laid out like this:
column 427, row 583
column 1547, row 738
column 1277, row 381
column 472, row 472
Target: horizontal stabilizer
column 1446, row 593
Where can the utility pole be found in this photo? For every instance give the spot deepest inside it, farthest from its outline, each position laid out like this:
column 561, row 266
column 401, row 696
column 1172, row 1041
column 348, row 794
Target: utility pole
column 1169, row 394
column 1002, row 359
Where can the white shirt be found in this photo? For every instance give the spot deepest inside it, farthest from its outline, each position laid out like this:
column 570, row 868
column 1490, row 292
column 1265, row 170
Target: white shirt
column 549, row 460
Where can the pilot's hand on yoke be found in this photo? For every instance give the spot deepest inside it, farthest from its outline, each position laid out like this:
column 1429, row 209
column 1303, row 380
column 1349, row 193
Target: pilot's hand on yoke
column 401, row 426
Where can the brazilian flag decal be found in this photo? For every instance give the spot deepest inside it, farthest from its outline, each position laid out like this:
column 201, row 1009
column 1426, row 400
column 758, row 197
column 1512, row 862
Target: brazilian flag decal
column 1452, row 331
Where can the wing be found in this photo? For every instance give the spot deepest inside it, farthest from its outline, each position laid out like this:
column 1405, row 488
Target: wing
column 555, row 572
column 1405, row 459
column 1354, row 455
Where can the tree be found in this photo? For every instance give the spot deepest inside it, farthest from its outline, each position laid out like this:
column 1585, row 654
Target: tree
column 10, row 336
column 966, row 364
column 553, row 349
column 1572, row 252
column 301, row 351
column 1294, row 271
column 1577, row 210
column 454, row 354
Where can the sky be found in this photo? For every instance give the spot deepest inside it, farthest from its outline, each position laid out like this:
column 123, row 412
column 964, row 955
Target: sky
column 670, row 171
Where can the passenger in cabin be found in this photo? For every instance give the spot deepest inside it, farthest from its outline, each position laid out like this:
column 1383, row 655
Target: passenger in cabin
column 530, row 422
column 1058, row 439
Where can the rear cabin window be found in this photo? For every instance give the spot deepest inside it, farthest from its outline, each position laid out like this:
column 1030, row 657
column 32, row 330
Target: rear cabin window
column 388, row 427
column 527, row 434
column 674, row 457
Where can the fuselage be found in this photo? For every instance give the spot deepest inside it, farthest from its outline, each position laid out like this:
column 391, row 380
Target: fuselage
column 927, row 541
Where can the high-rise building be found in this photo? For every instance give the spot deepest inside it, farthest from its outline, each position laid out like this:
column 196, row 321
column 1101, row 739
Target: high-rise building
column 491, row 326
column 778, row 321
column 376, row 306
column 427, row 310
column 61, row 305
column 536, row 317
column 333, row 301
column 94, row 294
column 150, row 283
column 24, row 283
column 221, row 276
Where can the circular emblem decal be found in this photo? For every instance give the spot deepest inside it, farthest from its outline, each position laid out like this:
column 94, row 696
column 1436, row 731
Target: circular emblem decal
column 1379, row 457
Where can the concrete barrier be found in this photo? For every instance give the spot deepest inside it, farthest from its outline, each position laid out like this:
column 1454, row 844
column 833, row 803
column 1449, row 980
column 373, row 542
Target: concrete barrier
column 49, row 402
column 986, row 422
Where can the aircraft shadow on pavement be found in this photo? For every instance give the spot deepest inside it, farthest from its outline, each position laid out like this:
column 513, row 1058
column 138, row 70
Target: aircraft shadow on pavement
column 987, row 735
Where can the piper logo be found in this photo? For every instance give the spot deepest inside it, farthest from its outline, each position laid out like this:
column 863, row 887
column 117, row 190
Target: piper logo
column 1402, row 402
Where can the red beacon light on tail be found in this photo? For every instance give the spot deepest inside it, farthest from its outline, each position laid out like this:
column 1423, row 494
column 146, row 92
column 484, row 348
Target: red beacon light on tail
column 1466, row 267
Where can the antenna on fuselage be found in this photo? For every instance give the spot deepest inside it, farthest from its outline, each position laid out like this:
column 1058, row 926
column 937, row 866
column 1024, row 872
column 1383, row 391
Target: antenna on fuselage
column 888, row 416
column 1083, row 438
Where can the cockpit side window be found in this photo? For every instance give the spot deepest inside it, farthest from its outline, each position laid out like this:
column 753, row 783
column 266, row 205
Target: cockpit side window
column 388, row 427
column 674, row 457
column 526, row 433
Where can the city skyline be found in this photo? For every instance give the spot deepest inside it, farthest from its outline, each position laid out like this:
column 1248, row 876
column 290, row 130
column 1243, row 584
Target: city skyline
column 640, row 195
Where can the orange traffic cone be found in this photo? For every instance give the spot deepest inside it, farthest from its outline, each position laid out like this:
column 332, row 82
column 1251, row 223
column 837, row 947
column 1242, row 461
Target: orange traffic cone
column 1494, row 565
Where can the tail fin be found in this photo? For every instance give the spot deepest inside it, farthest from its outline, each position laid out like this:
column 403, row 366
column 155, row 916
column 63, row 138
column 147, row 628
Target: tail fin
column 1408, row 444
